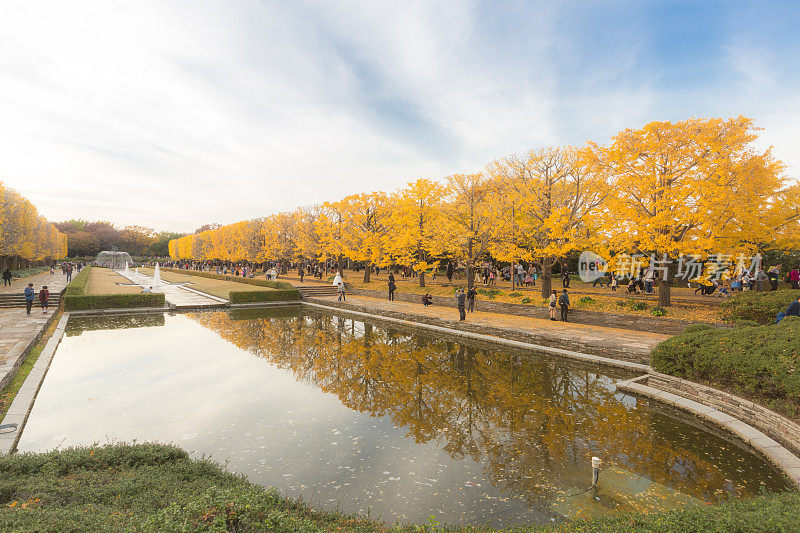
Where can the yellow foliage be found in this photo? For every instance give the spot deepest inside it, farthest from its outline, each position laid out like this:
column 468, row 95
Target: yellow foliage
column 24, row 233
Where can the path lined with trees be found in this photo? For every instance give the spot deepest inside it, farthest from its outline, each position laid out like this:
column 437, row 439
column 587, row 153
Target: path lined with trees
column 695, row 188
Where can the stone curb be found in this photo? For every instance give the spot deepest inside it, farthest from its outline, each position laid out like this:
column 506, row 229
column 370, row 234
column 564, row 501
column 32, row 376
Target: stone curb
column 23, row 402
column 779, row 456
column 12, row 359
column 492, row 339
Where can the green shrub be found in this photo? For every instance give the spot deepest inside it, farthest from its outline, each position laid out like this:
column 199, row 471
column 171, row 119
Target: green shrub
column 761, row 307
column 25, row 272
column 280, row 285
column 526, row 300
column 515, row 294
column 241, row 297
column 762, row 362
column 633, row 304
column 697, row 327
column 112, row 301
column 586, row 300
column 658, row 311
column 77, row 286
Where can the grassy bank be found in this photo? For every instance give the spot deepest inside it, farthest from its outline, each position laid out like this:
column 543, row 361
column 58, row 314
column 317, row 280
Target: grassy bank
column 150, row 487
column 758, row 362
column 77, row 296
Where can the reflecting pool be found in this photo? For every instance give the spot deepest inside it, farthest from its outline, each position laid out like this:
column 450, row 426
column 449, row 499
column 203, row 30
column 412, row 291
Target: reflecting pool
column 364, row 417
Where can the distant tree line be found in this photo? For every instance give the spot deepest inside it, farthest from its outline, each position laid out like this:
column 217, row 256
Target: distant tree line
column 87, row 238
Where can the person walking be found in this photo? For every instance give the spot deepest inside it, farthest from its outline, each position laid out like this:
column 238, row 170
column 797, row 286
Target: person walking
column 563, row 302
column 553, row 304
column 460, row 300
column 7, row 275
column 449, row 271
column 392, row 288
column 565, row 280
column 69, row 273
column 301, row 272
column 471, row 294
column 44, row 296
column 29, row 296
column 614, row 283
column 341, row 292
column 794, row 278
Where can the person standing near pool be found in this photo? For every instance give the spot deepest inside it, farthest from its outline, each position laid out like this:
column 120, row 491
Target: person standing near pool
column 471, row 295
column 29, row 295
column 563, row 302
column 460, row 301
column 341, row 292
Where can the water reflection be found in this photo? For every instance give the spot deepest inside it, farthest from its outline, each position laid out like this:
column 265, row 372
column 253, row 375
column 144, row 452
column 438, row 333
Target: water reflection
column 363, row 417
column 534, row 422
column 79, row 325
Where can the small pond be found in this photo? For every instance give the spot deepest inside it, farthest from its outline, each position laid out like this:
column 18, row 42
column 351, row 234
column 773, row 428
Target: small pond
column 364, row 417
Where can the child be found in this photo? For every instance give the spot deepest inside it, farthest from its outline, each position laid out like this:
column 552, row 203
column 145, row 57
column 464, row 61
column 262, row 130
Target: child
column 44, row 295
column 613, row 284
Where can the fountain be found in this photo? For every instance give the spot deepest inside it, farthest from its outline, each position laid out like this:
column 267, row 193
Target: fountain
column 157, row 277
column 127, row 271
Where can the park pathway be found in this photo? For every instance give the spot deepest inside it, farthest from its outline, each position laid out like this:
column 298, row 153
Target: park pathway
column 19, row 331
column 176, row 295
column 621, row 344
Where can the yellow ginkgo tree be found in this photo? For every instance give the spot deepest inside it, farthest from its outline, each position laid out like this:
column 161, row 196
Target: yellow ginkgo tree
column 694, row 187
column 415, row 216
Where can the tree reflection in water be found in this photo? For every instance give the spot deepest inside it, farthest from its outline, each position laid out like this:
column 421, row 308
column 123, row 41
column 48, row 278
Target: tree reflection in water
column 534, row 421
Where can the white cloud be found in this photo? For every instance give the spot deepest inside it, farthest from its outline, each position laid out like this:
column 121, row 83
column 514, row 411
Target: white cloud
column 174, row 114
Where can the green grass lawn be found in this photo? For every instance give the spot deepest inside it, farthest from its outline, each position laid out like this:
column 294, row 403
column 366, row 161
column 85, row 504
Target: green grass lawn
column 152, row 487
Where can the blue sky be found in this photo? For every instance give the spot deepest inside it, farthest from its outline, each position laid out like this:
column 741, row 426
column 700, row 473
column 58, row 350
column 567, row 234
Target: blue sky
column 175, row 114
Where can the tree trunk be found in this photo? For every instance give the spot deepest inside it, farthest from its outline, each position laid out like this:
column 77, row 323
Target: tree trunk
column 420, row 257
column 470, row 268
column 367, row 270
column 664, row 293
column 547, row 277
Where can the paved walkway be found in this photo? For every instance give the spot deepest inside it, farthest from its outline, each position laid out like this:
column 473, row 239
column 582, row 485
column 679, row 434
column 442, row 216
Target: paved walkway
column 55, row 282
column 18, row 331
column 175, row 294
column 619, row 343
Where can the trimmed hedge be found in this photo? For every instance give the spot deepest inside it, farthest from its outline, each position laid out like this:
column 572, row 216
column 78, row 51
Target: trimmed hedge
column 243, row 297
column 280, row 285
column 760, row 362
column 112, row 301
column 77, row 286
column 761, row 307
